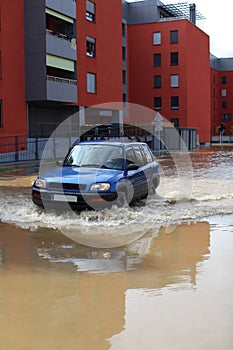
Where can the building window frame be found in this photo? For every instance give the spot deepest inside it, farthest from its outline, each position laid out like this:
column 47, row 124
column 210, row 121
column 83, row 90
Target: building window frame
column 90, row 46
column 157, row 38
column 157, row 103
column 175, row 104
column 157, row 59
column 174, row 36
column 174, row 58
column 224, row 104
column 174, row 80
column 157, row 81
column 224, row 79
column 224, row 92
column 91, row 82
column 226, row 117
column 90, row 11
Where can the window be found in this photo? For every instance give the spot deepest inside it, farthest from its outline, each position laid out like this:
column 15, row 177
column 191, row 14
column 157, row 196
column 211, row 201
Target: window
column 90, row 11
column 175, row 122
column 157, row 59
column 91, row 83
column 224, row 80
column 157, row 38
column 224, row 104
column 224, row 92
column 174, row 80
column 147, row 154
column 226, row 117
column 174, row 102
column 174, row 58
column 90, row 47
column 157, row 81
column 123, row 53
column 124, row 77
column 0, row 113
column 123, row 30
column 173, row 36
column 157, row 103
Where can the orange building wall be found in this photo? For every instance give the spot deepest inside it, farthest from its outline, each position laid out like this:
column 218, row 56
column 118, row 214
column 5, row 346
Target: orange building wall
column 107, row 65
column 193, row 71
column 12, row 83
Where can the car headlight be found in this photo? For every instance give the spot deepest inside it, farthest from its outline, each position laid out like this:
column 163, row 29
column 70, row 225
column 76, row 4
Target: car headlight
column 100, row 186
column 40, row 182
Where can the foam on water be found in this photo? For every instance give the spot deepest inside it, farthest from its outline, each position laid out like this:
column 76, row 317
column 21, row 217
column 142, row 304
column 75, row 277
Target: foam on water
column 178, row 199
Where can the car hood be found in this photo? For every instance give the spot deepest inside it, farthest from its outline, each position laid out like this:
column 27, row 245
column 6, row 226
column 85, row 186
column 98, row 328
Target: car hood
column 80, row 175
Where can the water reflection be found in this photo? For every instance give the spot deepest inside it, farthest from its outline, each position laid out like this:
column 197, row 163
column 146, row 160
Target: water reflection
column 75, row 295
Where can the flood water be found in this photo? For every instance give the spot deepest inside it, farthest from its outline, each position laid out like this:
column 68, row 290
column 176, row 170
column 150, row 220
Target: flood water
column 170, row 288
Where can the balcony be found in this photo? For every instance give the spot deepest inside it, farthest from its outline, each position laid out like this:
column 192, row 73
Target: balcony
column 60, row 45
column 67, row 7
column 61, row 89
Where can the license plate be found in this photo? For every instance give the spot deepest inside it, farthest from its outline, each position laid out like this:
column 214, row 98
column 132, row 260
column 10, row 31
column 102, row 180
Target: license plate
column 63, row 198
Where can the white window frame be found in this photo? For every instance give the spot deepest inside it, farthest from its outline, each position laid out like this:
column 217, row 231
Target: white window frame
column 157, row 38
column 224, row 92
column 91, row 83
column 174, row 80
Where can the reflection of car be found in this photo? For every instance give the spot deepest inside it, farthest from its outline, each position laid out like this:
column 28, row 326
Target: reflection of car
column 99, row 173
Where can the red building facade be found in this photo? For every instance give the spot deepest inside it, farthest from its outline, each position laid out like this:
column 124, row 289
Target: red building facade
column 13, row 107
column 169, row 72
column 61, row 57
column 221, row 95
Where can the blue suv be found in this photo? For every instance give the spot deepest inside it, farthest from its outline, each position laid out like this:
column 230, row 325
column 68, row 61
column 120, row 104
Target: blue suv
column 98, row 174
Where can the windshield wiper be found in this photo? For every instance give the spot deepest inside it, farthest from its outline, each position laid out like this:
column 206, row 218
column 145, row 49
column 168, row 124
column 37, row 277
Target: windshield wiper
column 91, row 165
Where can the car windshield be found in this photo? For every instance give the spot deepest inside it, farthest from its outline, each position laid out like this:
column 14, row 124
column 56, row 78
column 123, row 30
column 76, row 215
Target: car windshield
column 96, row 155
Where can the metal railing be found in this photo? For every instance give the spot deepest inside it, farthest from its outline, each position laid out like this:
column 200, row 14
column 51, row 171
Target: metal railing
column 61, row 80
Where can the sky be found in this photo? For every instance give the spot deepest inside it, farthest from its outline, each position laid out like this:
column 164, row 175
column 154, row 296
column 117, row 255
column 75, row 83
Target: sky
column 218, row 23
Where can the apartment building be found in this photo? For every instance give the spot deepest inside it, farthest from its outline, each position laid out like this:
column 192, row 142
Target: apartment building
column 60, row 57
column 221, row 94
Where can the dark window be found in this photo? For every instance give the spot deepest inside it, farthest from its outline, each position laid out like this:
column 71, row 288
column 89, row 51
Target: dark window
column 124, row 77
column 174, row 102
column 123, row 30
column 123, row 53
column 157, row 59
column 0, row 114
column 224, row 104
column 224, row 80
column 90, row 47
column 90, row 11
column 174, row 58
column 226, row 117
column 175, row 122
column 157, row 102
column 173, row 36
column 124, row 97
column 157, row 81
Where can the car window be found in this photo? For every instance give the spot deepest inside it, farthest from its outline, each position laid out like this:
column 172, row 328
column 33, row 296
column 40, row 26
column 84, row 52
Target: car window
column 147, row 153
column 96, row 155
column 139, row 157
column 130, row 156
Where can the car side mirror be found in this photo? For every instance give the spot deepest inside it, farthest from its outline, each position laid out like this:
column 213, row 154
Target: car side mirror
column 132, row 166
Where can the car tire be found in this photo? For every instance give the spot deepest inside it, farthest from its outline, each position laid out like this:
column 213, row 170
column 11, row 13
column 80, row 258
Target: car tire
column 122, row 199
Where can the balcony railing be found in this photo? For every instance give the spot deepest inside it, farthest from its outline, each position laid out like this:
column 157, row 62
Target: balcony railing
column 61, row 80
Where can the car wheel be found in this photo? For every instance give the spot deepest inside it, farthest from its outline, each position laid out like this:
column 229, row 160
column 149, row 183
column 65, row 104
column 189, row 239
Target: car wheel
column 122, row 199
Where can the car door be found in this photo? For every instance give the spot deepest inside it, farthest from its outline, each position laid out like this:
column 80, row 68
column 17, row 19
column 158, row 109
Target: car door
column 136, row 177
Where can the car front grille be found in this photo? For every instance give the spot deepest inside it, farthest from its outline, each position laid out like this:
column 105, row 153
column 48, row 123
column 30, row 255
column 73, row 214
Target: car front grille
column 67, row 186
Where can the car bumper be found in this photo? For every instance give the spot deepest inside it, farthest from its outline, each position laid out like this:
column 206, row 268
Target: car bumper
column 79, row 200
